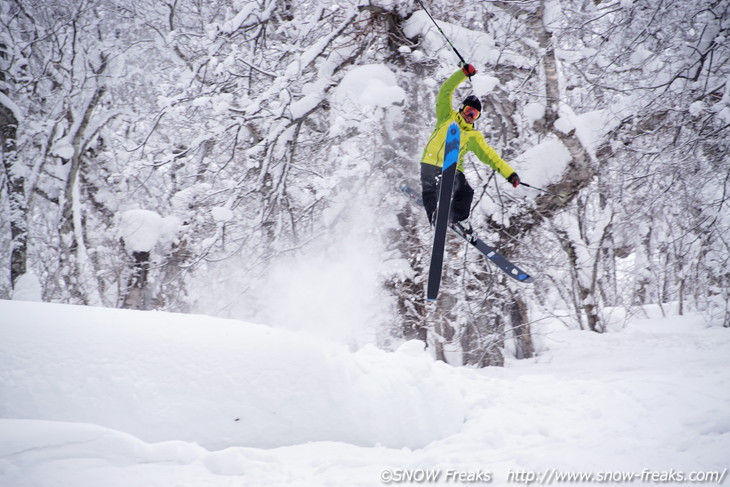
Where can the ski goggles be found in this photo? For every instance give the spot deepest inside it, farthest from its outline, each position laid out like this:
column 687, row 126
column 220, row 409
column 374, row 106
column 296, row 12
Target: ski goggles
column 471, row 112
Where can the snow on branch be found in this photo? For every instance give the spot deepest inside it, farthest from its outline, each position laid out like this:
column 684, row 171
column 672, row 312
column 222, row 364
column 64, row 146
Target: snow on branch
column 251, row 9
column 10, row 105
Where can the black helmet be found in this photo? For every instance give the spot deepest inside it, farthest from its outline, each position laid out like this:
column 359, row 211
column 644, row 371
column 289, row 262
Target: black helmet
column 471, row 101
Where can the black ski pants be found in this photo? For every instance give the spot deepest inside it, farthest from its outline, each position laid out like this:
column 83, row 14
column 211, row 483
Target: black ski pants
column 463, row 193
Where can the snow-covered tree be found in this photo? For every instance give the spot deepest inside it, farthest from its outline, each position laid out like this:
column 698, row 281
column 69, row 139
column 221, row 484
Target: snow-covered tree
column 182, row 155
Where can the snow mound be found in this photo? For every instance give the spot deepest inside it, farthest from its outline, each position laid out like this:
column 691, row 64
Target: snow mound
column 652, row 395
column 218, row 383
column 28, row 288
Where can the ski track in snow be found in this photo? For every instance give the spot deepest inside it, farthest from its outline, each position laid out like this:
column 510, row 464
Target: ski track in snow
column 92, row 397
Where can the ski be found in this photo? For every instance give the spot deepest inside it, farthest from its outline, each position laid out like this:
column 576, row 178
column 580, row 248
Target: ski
column 446, row 189
column 489, row 252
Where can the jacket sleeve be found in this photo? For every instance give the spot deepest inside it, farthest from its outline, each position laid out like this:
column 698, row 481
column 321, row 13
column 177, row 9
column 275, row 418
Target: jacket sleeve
column 446, row 94
column 487, row 155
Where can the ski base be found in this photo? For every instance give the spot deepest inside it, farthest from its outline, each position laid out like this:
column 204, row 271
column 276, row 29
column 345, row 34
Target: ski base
column 452, row 146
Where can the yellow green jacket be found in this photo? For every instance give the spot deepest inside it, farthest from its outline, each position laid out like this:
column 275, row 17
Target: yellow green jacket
column 471, row 140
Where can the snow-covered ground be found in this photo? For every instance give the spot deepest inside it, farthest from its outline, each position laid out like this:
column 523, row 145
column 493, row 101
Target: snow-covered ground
column 101, row 397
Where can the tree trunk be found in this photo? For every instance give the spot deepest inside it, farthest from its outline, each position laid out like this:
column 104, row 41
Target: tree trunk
column 519, row 322
column 444, row 334
column 73, row 251
column 172, row 292
column 15, row 188
column 137, row 285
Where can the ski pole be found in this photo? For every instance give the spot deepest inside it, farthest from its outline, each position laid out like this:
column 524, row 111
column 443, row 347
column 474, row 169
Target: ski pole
column 534, row 187
column 442, row 33
column 561, row 196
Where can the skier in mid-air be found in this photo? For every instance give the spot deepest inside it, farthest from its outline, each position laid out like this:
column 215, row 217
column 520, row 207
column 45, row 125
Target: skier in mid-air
column 472, row 140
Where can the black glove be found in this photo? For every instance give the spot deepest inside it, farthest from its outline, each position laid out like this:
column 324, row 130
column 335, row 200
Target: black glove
column 468, row 69
column 514, row 179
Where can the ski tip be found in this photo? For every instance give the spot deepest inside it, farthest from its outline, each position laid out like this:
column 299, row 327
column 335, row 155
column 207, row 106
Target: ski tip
column 525, row 278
